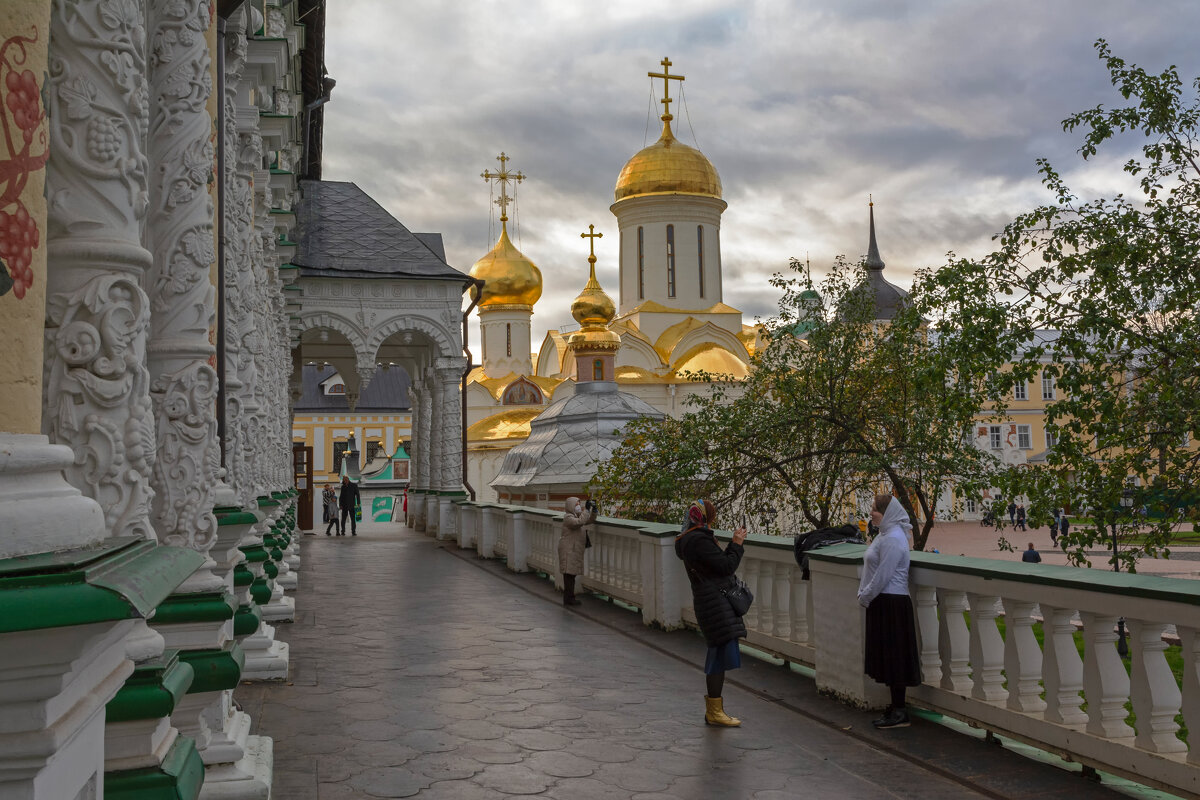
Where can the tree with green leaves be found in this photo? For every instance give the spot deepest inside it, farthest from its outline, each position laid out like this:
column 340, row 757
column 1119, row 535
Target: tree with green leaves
column 1118, row 279
column 837, row 406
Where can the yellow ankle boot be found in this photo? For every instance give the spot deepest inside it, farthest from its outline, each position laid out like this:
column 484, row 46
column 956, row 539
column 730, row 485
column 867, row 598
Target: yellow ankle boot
column 714, row 713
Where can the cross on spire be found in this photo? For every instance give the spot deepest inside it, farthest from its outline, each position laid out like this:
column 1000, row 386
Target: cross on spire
column 667, row 77
column 503, row 177
column 593, row 236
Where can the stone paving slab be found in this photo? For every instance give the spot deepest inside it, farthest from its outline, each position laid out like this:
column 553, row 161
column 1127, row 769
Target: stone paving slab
column 423, row 671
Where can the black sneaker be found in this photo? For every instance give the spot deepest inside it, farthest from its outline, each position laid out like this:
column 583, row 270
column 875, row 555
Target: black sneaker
column 894, row 718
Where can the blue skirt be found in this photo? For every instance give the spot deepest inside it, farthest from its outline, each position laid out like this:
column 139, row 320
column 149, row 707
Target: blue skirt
column 723, row 658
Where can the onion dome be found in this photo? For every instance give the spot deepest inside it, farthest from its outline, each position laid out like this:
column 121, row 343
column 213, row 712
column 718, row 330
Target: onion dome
column 510, row 279
column 668, row 167
column 593, row 309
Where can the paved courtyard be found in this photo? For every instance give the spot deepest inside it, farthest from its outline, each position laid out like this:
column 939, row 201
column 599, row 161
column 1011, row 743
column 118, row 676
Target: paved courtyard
column 418, row 669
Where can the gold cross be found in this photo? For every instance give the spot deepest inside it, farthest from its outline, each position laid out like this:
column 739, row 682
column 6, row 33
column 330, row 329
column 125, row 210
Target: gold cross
column 667, row 78
column 592, row 244
column 502, row 177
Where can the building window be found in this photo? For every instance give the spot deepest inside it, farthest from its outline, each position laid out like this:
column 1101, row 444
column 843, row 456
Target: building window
column 1051, row 439
column 641, row 264
column 508, row 338
column 700, row 255
column 670, row 261
column 970, row 503
column 1047, row 386
column 598, row 370
column 994, row 438
column 1019, row 392
column 1024, row 437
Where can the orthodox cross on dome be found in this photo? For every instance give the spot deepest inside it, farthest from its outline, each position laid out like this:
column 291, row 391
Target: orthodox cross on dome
column 667, row 77
column 502, row 177
column 593, row 236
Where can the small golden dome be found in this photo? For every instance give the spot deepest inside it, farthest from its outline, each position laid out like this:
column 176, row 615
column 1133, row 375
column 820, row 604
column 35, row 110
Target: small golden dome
column 668, row 165
column 593, row 309
column 511, row 278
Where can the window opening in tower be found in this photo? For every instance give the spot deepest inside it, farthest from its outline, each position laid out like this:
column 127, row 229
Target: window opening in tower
column 670, row 261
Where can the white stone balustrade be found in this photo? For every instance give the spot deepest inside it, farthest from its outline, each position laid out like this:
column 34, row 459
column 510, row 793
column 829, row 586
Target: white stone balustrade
column 1001, row 681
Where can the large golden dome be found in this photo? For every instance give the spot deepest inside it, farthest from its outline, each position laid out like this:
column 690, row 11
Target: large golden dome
column 668, row 166
column 510, row 278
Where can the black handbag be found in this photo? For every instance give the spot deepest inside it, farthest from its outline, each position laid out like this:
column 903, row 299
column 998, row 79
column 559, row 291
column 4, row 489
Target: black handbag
column 739, row 596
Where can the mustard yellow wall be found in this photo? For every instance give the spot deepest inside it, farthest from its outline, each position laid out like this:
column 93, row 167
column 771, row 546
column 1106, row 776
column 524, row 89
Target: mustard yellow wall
column 320, row 431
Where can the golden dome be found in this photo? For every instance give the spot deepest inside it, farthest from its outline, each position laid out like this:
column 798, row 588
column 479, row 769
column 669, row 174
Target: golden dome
column 668, row 166
column 511, row 278
column 593, row 309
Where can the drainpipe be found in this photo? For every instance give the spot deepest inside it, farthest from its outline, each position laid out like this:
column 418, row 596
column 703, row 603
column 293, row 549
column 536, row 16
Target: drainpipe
column 467, row 349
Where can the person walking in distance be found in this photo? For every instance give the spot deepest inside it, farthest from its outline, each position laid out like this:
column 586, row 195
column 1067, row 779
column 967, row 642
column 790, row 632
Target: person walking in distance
column 891, row 656
column 1012, row 513
column 347, row 501
column 330, row 506
column 1021, row 517
column 1054, row 523
column 1063, row 526
column 711, row 569
column 571, row 544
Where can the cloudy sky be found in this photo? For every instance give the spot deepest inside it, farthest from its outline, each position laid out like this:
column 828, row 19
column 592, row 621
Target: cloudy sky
column 938, row 108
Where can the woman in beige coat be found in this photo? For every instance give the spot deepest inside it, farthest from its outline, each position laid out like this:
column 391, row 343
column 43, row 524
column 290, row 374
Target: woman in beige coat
column 572, row 544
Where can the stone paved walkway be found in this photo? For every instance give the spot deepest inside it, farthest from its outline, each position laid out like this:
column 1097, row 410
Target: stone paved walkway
column 418, row 669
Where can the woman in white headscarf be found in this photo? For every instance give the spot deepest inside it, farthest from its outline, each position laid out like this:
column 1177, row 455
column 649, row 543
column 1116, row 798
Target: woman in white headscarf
column 572, row 544
column 891, row 655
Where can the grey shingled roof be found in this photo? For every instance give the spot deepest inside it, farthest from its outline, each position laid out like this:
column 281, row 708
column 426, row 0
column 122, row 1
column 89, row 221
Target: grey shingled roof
column 343, row 232
column 887, row 298
column 572, row 436
column 387, row 393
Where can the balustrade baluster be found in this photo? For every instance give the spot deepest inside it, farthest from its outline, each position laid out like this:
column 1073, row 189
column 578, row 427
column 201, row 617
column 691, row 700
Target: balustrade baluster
column 986, row 649
column 799, row 606
column 627, row 553
column 954, row 641
column 1062, row 668
column 1022, row 657
column 782, row 592
column 1189, row 639
column 927, row 631
column 1105, row 681
column 1156, row 697
column 764, row 595
column 750, row 576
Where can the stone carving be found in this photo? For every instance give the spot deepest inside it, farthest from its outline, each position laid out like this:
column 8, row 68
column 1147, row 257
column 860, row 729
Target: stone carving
column 180, row 235
column 96, row 386
column 97, row 396
column 276, row 25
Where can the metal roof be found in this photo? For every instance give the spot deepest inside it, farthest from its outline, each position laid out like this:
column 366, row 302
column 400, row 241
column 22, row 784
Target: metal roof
column 342, row 232
column 387, row 393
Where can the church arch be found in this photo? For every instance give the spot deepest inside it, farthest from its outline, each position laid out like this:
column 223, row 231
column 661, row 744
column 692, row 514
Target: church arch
column 446, row 343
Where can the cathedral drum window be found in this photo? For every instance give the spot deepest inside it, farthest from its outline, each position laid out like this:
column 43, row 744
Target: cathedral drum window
column 670, row 261
column 700, row 255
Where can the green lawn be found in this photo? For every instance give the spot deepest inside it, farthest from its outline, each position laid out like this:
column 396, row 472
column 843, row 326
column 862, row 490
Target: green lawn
column 1173, row 654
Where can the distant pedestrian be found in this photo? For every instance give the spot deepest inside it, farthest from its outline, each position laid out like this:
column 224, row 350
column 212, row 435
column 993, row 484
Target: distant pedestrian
column 1021, row 517
column 348, row 501
column 890, row 655
column 1031, row 556
column 571, row 544
column 330, row 508
column 1063, row 526
column 711, row 569
column 1012, row 513
column 1054, row 523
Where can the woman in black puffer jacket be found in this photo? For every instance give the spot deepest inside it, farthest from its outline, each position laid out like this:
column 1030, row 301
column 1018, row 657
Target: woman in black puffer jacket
column 711, row 569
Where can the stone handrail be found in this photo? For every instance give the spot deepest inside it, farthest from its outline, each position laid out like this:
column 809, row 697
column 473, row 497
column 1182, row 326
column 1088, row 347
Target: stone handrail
column 972, row 671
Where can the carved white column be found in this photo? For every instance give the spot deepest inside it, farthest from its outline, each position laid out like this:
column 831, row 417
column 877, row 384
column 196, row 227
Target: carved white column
column 179, row 233
column 954, row 641
column 96, row 383
column 449, row 371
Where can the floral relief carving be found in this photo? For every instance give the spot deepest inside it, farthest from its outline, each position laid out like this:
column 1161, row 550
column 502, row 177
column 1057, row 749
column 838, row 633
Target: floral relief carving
column 25, row 153
column 97, row 398
column 186, row 435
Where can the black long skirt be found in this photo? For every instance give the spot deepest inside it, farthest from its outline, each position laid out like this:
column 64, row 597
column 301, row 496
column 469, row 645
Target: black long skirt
column 891, row 648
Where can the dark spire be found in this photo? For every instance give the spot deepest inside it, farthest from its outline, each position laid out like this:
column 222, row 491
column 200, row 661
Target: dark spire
column 873, row 259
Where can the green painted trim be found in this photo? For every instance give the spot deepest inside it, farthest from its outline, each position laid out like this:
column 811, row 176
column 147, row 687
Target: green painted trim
column 242, row 576
column 266, row 502
column 215, row 669
column 247, row 619
column 278, row 171
column 121, row 578
column 235, row 517
column 271, row 569
column 260, row 591
column 152, row 690
column 180, row 777
column 198, row 607
column 255, row 552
